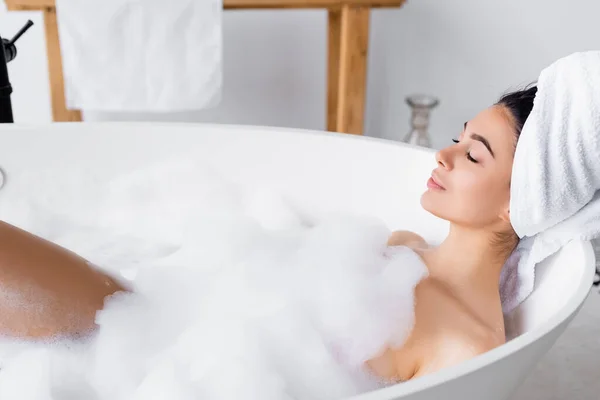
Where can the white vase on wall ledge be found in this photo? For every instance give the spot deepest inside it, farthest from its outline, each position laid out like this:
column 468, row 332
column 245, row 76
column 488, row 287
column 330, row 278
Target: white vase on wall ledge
column 421, row 106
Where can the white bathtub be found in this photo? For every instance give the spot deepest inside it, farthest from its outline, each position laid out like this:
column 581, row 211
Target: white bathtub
column 327, row 171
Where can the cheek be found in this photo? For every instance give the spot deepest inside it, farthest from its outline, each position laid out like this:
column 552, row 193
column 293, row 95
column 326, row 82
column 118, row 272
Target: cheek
column 468, row 182
column 481, row 199
column 474, row 199
column 469, row 198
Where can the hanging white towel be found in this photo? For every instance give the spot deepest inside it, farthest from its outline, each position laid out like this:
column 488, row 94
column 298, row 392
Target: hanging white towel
column 555, row 195
column 141, row 55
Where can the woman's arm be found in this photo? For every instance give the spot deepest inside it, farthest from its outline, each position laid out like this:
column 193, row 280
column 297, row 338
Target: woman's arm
column 406, row 238
column 397, row 365
column 46, row 290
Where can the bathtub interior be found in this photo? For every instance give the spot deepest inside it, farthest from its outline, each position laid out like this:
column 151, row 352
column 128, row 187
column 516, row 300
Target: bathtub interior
column 315, row 171
column 558, row 280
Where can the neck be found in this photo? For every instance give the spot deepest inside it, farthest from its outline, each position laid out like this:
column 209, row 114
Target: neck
column 469, row 258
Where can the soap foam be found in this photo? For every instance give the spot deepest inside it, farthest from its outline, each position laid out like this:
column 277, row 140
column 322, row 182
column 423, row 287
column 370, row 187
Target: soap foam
column 235, row 294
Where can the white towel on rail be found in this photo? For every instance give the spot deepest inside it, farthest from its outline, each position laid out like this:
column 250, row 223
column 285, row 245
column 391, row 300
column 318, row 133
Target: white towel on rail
column 141, row 55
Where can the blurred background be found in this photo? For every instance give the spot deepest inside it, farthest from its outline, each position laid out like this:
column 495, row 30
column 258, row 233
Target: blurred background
column 465, row 52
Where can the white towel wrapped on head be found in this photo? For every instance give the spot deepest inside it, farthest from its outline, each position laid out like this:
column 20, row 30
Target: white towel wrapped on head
column 556, row 171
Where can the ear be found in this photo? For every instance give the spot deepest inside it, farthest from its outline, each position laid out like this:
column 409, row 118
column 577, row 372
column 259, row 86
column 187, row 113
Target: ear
column 505, row 215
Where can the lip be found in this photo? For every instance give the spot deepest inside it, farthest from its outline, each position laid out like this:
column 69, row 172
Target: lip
column 434, row 183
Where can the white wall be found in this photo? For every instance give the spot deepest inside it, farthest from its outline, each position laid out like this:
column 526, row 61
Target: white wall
column 467, row 52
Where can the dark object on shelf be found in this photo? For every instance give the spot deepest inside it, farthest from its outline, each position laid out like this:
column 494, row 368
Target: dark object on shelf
column 8, row 53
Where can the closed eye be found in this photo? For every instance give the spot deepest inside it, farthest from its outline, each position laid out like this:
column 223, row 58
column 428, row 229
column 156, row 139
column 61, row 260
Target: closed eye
column 468, row 153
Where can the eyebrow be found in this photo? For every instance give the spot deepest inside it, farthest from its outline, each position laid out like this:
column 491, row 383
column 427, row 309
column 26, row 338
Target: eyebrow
column 481, row 139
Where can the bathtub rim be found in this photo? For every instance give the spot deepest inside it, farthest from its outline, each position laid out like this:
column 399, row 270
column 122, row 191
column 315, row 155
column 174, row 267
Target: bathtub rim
column 230, row 127
column 563, row 316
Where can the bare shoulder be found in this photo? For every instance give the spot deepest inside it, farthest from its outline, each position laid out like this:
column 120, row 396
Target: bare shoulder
column 445, row 333
column 406, row 238
column 456, row 349
column 448, row 332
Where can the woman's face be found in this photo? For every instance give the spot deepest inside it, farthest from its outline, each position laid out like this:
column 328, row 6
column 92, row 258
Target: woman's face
column 471, row 184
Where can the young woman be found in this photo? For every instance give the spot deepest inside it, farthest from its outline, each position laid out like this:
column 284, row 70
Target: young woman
column 458, row 313
column 48, row 291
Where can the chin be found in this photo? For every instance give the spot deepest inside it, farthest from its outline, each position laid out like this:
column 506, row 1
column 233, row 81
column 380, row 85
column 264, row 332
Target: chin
column 432, row 203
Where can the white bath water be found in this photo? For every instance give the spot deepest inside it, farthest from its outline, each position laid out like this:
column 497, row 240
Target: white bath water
column 236, row 294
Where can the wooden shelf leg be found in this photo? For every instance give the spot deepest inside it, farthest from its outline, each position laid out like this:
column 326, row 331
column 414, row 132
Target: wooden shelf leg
column 60, row 113
column 347, row 68
column 333, row 66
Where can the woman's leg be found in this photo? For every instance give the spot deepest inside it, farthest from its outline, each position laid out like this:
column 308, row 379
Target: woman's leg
column 46, row 290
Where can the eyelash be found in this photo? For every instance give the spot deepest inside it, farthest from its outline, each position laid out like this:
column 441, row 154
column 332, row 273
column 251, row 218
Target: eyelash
column 468, row 153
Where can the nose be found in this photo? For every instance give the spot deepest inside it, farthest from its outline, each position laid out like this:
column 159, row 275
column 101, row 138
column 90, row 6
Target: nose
column 444, row 158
